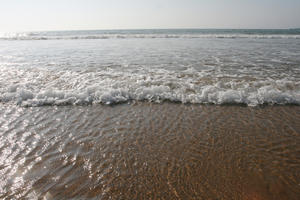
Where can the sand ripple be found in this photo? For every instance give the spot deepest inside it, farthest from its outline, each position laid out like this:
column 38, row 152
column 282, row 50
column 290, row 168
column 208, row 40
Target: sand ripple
column 150, row 151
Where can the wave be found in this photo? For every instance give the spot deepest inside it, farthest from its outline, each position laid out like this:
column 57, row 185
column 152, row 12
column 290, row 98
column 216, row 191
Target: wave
column 157, row 94
column 72, row 88
column 26, row 36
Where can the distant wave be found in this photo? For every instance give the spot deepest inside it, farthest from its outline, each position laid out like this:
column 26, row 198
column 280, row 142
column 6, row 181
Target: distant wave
column 26, row 36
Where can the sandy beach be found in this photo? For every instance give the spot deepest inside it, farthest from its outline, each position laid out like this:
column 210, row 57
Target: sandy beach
column 150, row 151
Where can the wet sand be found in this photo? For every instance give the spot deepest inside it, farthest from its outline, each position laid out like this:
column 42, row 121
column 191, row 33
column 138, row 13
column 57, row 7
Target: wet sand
column 150, row 151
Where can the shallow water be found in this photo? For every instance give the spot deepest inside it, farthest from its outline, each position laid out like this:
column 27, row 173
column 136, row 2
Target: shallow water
column 150, row 151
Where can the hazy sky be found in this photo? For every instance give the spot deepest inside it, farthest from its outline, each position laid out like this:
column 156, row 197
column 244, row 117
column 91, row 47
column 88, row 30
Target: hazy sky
column 28, row 15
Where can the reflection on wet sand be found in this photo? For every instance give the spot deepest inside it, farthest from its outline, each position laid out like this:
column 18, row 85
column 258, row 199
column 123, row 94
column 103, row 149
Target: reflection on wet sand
column 150, row 151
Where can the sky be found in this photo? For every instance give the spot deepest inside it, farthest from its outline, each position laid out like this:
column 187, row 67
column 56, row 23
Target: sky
column 38, row 15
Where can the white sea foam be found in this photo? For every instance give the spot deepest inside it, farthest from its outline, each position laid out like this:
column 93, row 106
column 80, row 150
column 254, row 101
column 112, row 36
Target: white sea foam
column 77, row 88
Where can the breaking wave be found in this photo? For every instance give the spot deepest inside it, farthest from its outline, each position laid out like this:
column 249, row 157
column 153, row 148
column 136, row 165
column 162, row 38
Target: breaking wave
column 74, row 88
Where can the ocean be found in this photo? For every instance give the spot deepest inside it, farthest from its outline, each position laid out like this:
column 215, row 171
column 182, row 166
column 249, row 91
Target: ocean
column 251, row 67
column 150, row 114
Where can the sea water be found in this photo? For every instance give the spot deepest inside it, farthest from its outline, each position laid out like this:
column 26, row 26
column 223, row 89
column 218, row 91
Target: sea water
column 145, row 146
column 251, row 67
